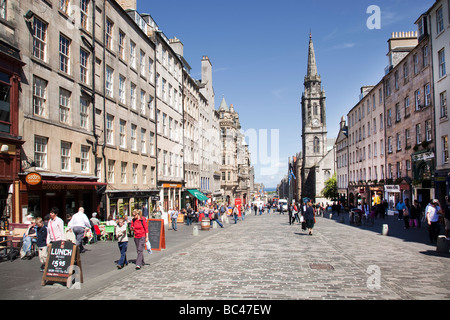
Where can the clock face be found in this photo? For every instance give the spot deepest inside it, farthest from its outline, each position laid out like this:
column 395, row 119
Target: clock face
column 315, row 122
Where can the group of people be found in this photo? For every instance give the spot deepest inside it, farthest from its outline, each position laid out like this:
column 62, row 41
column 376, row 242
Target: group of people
column 303, row 214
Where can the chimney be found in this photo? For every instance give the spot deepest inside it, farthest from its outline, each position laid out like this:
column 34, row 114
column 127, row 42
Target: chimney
column 177, row 46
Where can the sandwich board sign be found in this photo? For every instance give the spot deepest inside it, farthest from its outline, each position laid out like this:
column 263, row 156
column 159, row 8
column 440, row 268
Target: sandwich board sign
column 63, row 264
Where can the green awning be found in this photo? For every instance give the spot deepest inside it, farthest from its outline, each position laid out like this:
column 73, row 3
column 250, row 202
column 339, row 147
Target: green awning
column 196, row 193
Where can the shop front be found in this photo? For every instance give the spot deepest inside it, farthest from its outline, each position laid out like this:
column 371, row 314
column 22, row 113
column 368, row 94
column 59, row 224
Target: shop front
column 121, row 203
column 39, row 193
column 424, row 176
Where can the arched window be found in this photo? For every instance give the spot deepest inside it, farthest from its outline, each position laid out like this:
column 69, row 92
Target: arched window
column 316, row 145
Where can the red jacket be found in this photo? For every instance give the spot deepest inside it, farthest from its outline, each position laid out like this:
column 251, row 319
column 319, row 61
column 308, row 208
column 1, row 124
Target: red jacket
column 140, row 227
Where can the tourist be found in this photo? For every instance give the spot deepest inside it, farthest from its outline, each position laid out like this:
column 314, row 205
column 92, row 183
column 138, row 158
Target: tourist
column 55, row 227
column 140, row 228
column 432, row 217
column 79, row 224
column 309, row 217
column 122, row 238
column 41, row 242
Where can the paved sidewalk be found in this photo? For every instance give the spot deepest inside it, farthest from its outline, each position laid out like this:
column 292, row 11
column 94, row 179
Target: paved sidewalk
column 21, row 279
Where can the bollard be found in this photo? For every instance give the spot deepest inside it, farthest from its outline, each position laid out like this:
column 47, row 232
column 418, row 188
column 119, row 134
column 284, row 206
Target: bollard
column 195, row 231
column 214, row 225
column 331, row 215
column 442, row 244
column 385, row 231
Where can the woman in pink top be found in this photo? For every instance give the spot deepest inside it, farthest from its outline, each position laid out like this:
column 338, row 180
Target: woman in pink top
column 140, row 228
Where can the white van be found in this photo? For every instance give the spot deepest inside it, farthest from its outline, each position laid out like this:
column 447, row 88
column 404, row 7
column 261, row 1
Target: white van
column 282, row 205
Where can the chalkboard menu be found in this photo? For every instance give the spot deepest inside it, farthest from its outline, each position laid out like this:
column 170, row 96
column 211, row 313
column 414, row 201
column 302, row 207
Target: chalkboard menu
column 63, row 262
column 156, row 234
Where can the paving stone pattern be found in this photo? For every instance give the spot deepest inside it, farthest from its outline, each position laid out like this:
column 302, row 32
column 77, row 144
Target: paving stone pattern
column 264, row 257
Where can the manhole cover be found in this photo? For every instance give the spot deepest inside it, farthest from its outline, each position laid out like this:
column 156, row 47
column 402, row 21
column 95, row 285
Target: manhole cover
column 321, row 266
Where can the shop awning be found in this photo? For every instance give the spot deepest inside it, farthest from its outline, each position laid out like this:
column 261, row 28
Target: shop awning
column 196, row 193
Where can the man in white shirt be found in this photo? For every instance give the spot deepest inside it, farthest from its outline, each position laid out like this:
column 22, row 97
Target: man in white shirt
column 432, row 216
column 55, row 227
column 78, row 224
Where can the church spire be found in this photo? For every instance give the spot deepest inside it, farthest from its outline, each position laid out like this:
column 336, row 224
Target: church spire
column 312, row 66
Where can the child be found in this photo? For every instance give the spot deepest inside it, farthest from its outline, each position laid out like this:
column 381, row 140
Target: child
column 121, row 233
column 41, row 241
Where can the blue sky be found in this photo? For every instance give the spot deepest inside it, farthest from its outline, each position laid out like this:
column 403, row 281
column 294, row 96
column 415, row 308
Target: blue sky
column 259, row 50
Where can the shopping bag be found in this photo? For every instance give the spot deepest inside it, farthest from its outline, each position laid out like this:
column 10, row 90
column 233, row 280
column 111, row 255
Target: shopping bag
column 148, row 247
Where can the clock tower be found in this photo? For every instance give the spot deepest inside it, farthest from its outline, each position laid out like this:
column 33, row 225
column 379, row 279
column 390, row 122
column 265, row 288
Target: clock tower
column 314, row 127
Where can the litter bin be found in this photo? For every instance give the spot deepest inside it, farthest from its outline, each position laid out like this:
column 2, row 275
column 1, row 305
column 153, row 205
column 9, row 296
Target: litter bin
column 205, row 224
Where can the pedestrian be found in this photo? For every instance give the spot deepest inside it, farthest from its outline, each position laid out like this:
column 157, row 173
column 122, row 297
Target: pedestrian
column 79, row 224
column 400, row 208
column 145, row 211
column 261, row 208
column 95, row 222
column 55, row 227
column 415, row 214
column 28, row 239
column 215, row 217
column 290, row 214
column 432, row 217
column 140, row 228
column 255, row 208
column 122, row 238
column 309, row 217
column 174, row 216
column 447, row 218
column 41, row 241
column 406, row 213
column 296, row 213
column 235, row 213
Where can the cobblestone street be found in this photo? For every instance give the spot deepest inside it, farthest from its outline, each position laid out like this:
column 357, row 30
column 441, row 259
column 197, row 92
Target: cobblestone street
column 264, row 257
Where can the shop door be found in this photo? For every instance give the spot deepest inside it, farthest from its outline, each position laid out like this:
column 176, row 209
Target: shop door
column 423, row 196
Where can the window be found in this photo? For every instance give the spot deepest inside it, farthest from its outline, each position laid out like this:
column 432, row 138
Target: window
column 428, row 133
column 143, row 141
column 396, row 80
column 152, row 143
column 84, row 12
column 84, row 155
column 133, row 96
column 40, row 152
column 439, row 20
column 3, row 8
column 417, row 100
column 135, row 175
column 397, row 112
column 111, row 164
column 316, row 145
column 133, row 54
column 109, row 129
column 64, row 6
column 121, row 45
column 65, row 155
column 389, row 144
column 425, row 56
column 405, row 72
column 407, row 109
column 427, row 92
column 5, row 106
column 84, row 60
column 84, row 113
column 399, row 142
column 64, row 54
column 418, row 134
column 123, row 172
column 381, row 122
column 64, row 105
column 142, row 62
column 389, row 118
column 144, row 174
column 416, row 63
column 143, row 94
column 123, row 133
column 442, row 71
column 445, row 149
column 39, row 96
column 121, row 89
column 109, row 81
column 133, row 137
column 407, row 137
column 109, row 33
column 39, row 39
column 443, row 104
column 151, row 75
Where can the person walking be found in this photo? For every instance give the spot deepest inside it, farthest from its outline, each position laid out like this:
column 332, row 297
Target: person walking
column 406, row 213
column 235, row 213
column 432, row 217
column 94, row 222
column 140, row 228
column 415, row 214
column 290, row 214
column 309, row 217
column 400, row 208
column 122, row 238
column 55, row 227
column 174, row 216
column 79, row 224
column 215, row 217
column 41, row 242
